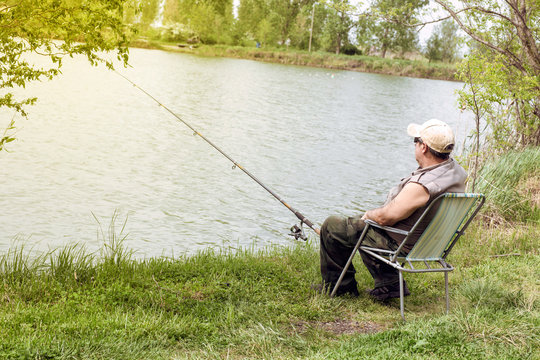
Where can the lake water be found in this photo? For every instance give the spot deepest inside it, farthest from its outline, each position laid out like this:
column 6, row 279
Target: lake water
column 328, row 142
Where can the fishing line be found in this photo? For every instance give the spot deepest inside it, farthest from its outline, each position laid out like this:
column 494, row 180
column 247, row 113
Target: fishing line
column 296, row 231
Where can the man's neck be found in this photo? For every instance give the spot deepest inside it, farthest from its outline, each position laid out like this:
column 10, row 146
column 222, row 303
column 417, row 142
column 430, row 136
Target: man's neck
column 428, row 162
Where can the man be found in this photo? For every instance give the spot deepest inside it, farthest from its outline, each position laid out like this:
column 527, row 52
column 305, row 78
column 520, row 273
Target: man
column 437, row 173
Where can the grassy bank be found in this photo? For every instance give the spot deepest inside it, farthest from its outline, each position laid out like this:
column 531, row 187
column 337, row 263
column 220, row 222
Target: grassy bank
column 371, row 64
column 69, row 305
column 73, row 304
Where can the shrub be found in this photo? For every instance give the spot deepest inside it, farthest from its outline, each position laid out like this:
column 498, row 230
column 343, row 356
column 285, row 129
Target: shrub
column 176, row 32
column 350, row 49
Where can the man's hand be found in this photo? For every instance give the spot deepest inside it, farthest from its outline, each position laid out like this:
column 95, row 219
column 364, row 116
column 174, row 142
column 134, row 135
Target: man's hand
column 412, row 197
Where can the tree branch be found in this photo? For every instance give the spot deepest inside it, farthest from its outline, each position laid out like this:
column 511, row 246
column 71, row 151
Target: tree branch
column 491, row 12
column 516, row 61
column 512, row 4
column 7, row 8
column 420, row 24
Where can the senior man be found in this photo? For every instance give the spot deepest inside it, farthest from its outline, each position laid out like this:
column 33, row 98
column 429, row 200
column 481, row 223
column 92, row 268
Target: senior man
column 437, row 173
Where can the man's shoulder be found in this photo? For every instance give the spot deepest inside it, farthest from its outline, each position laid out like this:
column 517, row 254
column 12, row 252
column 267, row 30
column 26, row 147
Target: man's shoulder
column 460, row 171
column 449, row 176
column 448, row 166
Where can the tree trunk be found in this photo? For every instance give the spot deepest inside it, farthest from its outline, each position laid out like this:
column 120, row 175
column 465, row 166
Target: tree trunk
column 384, row 44
column 521, row 17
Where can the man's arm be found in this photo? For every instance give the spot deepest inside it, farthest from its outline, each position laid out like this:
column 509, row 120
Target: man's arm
column 410, row 198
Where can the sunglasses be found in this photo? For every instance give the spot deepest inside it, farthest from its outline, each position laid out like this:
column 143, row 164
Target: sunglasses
column 418, row 140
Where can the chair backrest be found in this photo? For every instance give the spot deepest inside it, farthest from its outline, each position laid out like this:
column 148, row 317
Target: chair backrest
column 455, row 212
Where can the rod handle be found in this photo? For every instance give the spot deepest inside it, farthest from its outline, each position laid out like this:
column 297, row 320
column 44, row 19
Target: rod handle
column 307, row 222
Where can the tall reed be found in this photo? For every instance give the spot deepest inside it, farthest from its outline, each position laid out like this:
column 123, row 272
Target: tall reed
column 16, row 265
column 511, row 184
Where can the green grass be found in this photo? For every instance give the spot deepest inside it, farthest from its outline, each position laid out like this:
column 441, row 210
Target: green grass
column 69, row 304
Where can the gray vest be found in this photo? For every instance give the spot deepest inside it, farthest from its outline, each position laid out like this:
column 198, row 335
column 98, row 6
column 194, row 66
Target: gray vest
column 447, row 176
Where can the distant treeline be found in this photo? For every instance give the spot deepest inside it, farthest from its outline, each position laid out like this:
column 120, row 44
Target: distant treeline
column 333, row 25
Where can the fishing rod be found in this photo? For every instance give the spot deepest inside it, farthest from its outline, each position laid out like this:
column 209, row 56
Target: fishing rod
column 296, row 231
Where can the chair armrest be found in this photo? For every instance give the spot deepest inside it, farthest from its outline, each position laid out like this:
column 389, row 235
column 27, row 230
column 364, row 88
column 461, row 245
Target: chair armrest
column 386, row 228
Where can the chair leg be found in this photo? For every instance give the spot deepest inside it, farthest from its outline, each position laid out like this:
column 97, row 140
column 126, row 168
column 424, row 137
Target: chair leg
column 401, row 297
column 446, row 290
column 342, row 275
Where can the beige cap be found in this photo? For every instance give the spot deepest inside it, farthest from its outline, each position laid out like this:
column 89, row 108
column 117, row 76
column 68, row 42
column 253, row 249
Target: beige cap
column 434, row 133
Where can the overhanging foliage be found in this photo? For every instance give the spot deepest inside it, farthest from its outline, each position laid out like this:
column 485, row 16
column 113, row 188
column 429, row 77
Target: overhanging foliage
column 54, row 29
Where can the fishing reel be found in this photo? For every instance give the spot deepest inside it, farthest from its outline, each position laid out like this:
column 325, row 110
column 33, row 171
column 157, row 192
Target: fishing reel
column 298, row 231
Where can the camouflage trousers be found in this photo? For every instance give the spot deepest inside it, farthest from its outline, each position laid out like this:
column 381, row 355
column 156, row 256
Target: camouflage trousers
column 339, row 235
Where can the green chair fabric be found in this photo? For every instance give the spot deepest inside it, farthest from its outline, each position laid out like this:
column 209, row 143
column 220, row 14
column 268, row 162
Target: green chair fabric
column 441, row 230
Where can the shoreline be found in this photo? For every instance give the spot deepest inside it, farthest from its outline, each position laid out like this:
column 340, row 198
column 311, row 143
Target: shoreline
column 359, row 63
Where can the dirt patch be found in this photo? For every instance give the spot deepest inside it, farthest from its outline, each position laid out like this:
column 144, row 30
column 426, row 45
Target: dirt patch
column 340, row 327
column 197, row 295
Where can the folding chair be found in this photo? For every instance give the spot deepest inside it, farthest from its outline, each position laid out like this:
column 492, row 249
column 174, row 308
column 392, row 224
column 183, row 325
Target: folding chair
column 453, row 213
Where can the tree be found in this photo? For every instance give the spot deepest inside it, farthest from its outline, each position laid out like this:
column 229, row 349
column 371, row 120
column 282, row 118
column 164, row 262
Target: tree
column 443, row 43
column 208, row 23
column 338, row 24
column 273, row 20
column 386, row 28
column 282, row 16
column 299, row 34
column 503, row 69
column 251, row 13
column 434, row 47
column 451, row 41
column 54, row 29
column 149, row 12
column 172, row 13
column 209, row 20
